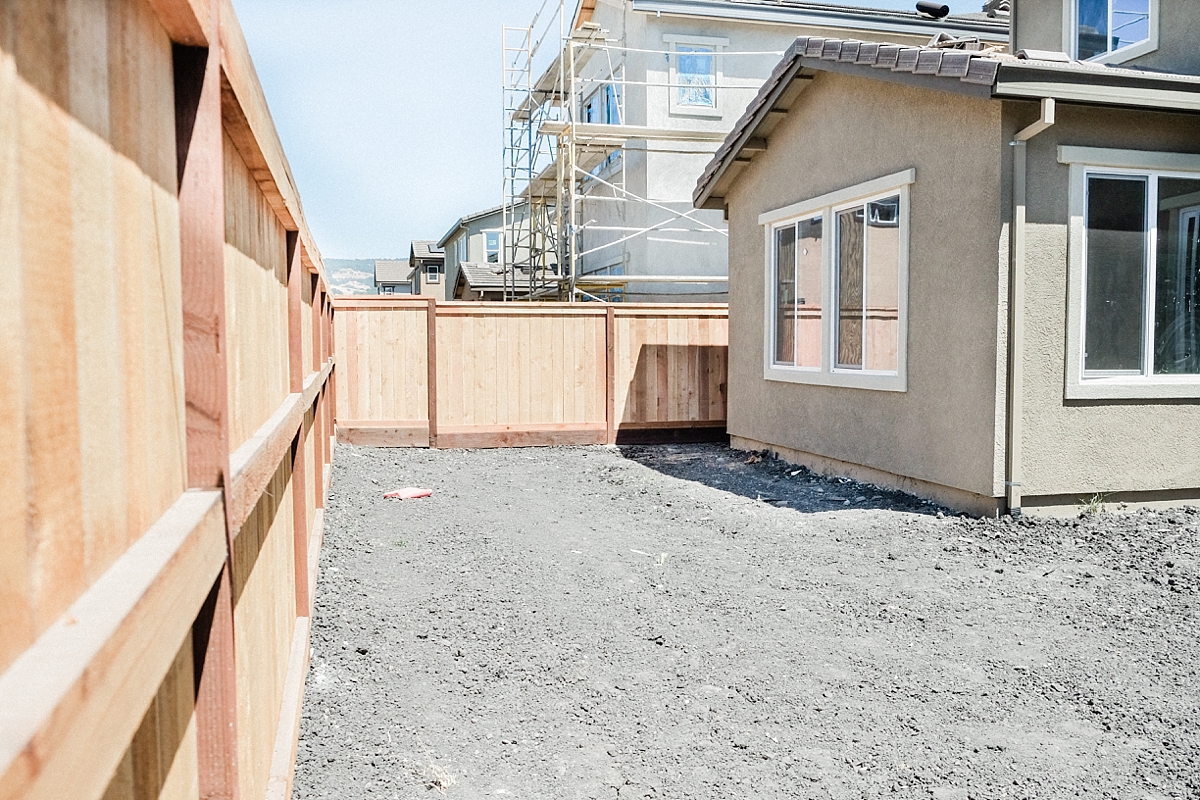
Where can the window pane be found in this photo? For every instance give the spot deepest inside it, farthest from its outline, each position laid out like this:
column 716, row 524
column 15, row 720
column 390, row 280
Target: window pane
column 697, row 75
column 808, row 291
column 785, row 295
column 1116, row 259
column 883, row 285
column 1176, row 295
column 850, row 288
column 1130, row 22
column 1092, row 28
column 612, row 105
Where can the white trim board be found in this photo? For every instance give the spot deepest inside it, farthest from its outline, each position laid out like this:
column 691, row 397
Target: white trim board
column 863, row 190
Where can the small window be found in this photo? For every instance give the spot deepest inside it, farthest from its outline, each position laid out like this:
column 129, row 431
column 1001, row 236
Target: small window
column 433, row 273
column 695, row 74
column 386, row 289
column 1104, row 28
column 1141, row 314
column 460, row 249
column 492, row 246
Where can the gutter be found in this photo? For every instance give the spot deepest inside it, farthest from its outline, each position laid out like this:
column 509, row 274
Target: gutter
column 1016, row 309
column 827, row 16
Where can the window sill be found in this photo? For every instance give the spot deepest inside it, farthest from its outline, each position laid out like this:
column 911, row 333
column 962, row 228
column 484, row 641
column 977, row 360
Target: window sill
column 696, row 111
column 874, row 381
column 1127, row 53
column 1160, row 388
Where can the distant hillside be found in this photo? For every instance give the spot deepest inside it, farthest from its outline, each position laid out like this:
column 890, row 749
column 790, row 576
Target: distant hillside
column 351, row 275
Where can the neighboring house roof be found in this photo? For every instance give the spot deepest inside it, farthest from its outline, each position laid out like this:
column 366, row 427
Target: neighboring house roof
column 391, row 270
column 1028, row 75
column 467, row 220
column 831, row 15
column 427, row 250
column 482, row 277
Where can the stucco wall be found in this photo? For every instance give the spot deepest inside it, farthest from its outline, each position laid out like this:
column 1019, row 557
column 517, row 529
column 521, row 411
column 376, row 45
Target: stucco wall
column 841, row 132
column 1084, row 447
column 1038, row 25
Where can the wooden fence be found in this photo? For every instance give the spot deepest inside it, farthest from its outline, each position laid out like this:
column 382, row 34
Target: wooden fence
column 165, row 409
column 419, row 373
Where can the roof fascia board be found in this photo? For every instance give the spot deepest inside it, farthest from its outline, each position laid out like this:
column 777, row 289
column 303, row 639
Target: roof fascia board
column 819, row 19
column 1099, row 95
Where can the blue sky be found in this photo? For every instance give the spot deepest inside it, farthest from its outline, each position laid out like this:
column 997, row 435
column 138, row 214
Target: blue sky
column 389, row 110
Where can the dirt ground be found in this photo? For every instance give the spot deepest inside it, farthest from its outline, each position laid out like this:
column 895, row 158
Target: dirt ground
column 674, row 622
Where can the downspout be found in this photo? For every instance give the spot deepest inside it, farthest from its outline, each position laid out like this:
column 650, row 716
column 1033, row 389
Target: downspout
column 1016, row 308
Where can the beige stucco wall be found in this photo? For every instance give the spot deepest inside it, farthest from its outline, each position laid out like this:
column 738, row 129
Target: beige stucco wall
column 1038, row 25
column 1085, row 447
column 947, row 428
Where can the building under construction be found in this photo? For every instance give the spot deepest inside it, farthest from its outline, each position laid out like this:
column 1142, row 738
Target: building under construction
column 612, row 108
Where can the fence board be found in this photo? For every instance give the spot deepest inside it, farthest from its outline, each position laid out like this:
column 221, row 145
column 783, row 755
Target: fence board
column 538, row 374
column 145, row 206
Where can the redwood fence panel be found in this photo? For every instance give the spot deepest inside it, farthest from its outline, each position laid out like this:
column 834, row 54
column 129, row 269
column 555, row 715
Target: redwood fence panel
column 165, row 412
column 419, row 373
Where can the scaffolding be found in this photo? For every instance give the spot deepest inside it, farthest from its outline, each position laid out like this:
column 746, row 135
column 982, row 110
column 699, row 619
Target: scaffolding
column 566, row 138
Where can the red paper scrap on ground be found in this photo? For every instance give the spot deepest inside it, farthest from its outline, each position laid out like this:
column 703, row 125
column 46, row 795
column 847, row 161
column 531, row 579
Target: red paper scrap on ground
column 408, row 493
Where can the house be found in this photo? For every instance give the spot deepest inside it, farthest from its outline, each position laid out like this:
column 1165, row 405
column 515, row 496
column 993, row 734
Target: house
column 428, row 263
column 974, row 275
column 392, row 276
column 477, row 239
column 655, row 86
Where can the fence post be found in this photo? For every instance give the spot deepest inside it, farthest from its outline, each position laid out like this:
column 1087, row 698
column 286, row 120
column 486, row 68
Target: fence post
column 610, row 367
column 431, row 362
column 296, row 275
column 201, row 173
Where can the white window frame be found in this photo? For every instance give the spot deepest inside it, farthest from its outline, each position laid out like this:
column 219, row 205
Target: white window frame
column 1127, row 53
column 674, row 107
column 433, row 272
column 500, row 244
column 462, row 252
column 826, row 206
column 1084, row 161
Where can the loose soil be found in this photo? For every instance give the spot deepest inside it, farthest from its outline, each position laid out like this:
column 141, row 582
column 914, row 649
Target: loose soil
column 674, row 622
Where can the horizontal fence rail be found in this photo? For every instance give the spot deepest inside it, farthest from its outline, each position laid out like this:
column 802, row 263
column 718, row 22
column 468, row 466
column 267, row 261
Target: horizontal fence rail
column 166, row 414
column 417, row 373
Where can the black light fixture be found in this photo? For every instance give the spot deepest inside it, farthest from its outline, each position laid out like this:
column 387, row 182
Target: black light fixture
column 935, row 10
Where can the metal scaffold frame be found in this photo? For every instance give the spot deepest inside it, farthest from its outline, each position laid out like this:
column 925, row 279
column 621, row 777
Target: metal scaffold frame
column 555, row 159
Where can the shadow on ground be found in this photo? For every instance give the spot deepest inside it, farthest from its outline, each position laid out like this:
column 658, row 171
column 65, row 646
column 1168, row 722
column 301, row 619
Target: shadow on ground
column 761, row 476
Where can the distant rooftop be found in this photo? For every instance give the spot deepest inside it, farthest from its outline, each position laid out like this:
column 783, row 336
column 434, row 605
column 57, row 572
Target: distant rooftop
column 427, row 250
column 391, row 270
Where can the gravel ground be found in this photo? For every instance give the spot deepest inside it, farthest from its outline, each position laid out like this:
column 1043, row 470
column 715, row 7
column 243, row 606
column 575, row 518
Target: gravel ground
column 675, row 622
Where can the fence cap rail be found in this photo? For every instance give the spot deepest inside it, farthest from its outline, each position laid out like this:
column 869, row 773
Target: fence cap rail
column 462, row 308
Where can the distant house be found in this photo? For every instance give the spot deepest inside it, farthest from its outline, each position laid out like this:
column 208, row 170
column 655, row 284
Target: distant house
column 975, row 275
column 392, row 276
column 427, row 264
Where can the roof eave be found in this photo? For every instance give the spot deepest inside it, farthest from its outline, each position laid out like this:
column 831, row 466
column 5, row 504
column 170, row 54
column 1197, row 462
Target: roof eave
column 1160, row 93
column 850, row 19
